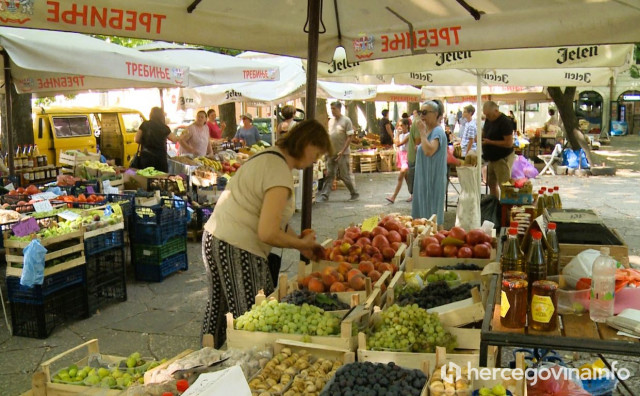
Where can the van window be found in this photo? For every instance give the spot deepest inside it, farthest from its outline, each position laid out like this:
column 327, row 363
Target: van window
column 71, row 126
column 132, row 121
column 40, row 127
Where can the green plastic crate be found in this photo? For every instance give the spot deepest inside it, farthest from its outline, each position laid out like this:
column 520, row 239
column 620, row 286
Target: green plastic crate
column 154, row 254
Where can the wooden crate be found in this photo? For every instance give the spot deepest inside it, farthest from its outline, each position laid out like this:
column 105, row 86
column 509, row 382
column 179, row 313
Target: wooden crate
column 354, row 163
column 368, row 163
column 455, row 314
column 243, row 339
column 570, row 250
column 42, row 385
column 15, row 255
column 517, row 387
column 464, row 275
column 422, row 262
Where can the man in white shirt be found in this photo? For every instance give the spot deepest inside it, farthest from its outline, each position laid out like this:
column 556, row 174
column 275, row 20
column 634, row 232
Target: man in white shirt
column 451, row 121
column 341, row 133
column 470, row 131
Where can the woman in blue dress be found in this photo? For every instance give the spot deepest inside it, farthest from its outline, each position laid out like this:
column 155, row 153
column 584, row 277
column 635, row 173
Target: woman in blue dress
column 430, row 182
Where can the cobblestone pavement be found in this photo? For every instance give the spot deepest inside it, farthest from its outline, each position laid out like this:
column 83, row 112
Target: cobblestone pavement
column 163, row 319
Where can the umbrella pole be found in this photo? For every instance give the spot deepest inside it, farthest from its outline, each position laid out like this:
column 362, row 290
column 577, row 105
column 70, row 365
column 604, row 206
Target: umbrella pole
column 310, row 104
column 9, row 106
column 479, row 134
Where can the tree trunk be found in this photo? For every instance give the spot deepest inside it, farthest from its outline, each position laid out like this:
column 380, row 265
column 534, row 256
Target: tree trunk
column 411, row 106
column 321, row 112
column 352, row 113
column 228, row 115
column 21, row 118
column 372, row 121
column 564, row 103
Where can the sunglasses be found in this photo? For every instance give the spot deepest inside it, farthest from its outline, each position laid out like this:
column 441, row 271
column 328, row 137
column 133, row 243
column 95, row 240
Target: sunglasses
column 425, row 112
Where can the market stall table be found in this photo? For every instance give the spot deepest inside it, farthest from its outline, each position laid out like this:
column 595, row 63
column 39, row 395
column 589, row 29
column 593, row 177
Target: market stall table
column 575, row 333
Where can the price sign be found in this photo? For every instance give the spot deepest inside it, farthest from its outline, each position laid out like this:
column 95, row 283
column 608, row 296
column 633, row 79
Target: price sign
column 116, row 209
column 106, row 184
column 370, row 223
column 180, row 185
column 10, row 187
column 45, row 196
column 42, row 206
column 90, row 190
column 25, row 227
column 68, row 215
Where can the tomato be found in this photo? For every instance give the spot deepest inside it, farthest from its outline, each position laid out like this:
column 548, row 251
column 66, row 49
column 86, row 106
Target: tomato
column 458, row 233
column 20, row 190
column 450, row 251
column 481, row 251
column 475, row 237
column 31, row 189
column 434, row 250
column 465, row 252
column 82, row 198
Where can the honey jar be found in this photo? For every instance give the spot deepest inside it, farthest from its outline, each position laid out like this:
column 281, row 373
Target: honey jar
column 544, row 306
column 513, row 302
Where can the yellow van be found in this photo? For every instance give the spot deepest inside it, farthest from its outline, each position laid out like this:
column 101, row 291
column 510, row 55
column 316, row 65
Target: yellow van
column 109, row 129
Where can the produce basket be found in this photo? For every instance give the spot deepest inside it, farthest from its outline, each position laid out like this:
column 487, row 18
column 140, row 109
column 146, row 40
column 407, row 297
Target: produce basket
column 454, row 314
column 103, row 239
column 157, row 273
column 424, row 262
column 155, row 254
column 38, row 320
column 64, row 252
column 106, row 282
column 51, row 284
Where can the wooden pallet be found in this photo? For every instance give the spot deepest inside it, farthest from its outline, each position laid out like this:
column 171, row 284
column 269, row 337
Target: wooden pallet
column 368, row 164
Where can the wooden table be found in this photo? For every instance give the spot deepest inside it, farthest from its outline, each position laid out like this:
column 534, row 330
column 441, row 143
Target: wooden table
column 574, row 333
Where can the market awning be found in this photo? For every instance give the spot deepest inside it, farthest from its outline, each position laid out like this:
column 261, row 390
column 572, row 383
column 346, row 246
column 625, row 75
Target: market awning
column 460, row 94
column 45, row 61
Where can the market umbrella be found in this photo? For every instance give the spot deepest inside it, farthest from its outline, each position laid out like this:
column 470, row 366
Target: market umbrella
column 53, row 62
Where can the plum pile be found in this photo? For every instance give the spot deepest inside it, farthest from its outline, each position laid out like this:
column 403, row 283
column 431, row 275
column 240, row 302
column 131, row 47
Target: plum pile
column 375, row 379
column 436, row 294
column 462, row 267
column 326, row 301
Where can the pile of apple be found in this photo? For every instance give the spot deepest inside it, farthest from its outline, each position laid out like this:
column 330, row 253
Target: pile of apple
column 457, row 243
column 345, row 277
column 378, row 245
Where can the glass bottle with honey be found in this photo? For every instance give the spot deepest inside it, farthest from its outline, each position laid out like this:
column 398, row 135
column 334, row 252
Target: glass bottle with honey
column 536, row 262
column 511, row 259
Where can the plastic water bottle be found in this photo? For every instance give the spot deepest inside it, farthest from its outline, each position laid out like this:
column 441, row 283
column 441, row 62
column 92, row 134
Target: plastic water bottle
column 603, row 286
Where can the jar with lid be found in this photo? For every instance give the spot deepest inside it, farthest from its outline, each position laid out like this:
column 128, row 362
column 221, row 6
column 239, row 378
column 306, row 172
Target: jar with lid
column 514, row 303
column 544, row 306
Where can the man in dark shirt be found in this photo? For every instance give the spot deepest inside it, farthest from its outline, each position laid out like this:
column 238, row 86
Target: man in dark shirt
column 497, row 146
column 386, row 130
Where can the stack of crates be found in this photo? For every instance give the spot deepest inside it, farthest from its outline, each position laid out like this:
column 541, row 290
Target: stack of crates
column 159, row 239
column 35, row 311
column 106, row 280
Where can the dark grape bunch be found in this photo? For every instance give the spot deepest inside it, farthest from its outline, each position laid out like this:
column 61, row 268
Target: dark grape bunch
column 326, row 301
column 375, row 379
column 462, row 267
column 436, row 294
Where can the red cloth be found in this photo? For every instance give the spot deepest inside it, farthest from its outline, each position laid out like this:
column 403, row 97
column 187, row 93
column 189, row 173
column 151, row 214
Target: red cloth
column 214, row 130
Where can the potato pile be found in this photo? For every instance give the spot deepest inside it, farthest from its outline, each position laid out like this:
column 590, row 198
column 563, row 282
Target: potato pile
column 454, row 383
column 297, row 369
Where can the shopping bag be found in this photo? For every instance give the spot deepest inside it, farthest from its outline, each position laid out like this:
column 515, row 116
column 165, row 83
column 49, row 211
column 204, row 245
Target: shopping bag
column 33, row 268
column 468, row 209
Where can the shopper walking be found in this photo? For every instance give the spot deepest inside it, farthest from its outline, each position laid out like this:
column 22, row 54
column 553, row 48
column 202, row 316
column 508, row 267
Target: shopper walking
column 430, row 182
column 341, row 133
column 401, row 140
column 412, row 142
column 287, row 112
column 252, row 216
column 152, row 138
column 497, row 146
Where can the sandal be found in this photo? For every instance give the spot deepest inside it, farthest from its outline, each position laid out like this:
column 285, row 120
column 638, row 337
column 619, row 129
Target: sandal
column 410, row 199
column 390, row 200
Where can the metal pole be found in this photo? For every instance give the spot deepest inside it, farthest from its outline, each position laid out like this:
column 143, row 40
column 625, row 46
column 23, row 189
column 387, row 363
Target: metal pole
column 310, row 104
column 9, row 106
column 479, row 129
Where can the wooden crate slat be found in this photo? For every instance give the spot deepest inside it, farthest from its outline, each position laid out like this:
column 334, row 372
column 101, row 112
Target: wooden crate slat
column 103, row 230
column 579, row 326
column 11, row 271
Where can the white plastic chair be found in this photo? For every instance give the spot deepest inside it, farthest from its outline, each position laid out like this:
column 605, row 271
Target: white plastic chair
column 549, row 159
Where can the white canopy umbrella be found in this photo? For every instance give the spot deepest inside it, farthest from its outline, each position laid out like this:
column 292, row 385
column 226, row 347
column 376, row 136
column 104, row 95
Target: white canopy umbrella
column 457, row 94
column 401, row 27
column 44, row 61
column 208, row 68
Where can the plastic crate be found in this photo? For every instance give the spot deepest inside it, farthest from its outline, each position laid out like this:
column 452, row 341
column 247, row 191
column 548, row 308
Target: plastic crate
column 14, row 199
column 157, row 273
column 155, row 225
column 39, row 320
column 51, row 284
column 126, row 202
column 154, row 254
column 103, row 242
column 106, row 280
